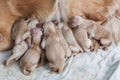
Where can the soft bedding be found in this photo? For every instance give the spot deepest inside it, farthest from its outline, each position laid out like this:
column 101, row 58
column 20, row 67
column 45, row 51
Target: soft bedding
column 103, row 65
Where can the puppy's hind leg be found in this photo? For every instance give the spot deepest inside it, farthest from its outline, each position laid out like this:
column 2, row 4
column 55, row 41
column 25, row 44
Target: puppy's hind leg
column 28, row 71
column 61, row 68
column 53, row 67
column 105, row 43
column 10, row 61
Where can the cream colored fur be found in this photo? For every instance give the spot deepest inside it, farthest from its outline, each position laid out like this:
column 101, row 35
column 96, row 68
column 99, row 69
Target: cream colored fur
column 113, row 25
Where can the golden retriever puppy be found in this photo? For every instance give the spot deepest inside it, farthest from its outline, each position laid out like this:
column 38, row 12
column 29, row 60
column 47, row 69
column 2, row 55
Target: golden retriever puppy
column 19, row 34
column 62, row 40
column 54, row 51
column 70, row 39
column 81, row 36
column 17, row 52
column 100, row 33
column 32, row 23
column 95, row 31
column 80, row 33
column 20, row 31
column 31, row 58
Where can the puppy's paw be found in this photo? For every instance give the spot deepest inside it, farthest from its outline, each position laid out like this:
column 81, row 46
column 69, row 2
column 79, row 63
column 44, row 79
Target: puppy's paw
column 74, row 49
column 27, row 72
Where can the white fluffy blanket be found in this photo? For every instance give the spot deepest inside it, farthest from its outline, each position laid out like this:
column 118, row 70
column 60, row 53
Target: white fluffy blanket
column 104, row 65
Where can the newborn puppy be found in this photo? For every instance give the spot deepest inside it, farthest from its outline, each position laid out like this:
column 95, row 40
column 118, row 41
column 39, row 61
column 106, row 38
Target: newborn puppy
column 95, row 31
column 19, row 34
column 101, row 34
column 80, row 34
column 70, row 39
column 54, row 51
column 31, row 58
column 32, row 23
column 62, row 40
column 82, row 37
column 17, row 51
column 20, row 31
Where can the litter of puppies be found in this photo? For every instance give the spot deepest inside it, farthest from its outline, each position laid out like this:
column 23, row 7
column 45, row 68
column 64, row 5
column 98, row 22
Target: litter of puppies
column 34, row 42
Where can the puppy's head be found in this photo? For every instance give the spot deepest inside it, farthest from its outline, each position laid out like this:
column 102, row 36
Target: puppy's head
column 49, row 27
column 37, row 34
column 76, row 21
column 19, row 30
column 91, row 30
column 32, row 24
column 60, row 26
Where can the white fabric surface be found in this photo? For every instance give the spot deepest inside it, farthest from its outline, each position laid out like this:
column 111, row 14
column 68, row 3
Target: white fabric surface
column 104, row 65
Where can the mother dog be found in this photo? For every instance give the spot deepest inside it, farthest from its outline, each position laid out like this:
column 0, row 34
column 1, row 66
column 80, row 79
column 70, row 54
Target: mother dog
column 11, row 10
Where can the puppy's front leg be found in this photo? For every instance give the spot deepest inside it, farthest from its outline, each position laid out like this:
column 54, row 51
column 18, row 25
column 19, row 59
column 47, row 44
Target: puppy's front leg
column 10, row 61
column 29, row 41
column 26, row 35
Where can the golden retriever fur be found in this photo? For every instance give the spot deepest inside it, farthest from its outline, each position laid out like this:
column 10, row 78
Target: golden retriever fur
column 54, row 51
column 101, row 11
column 10, row 10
